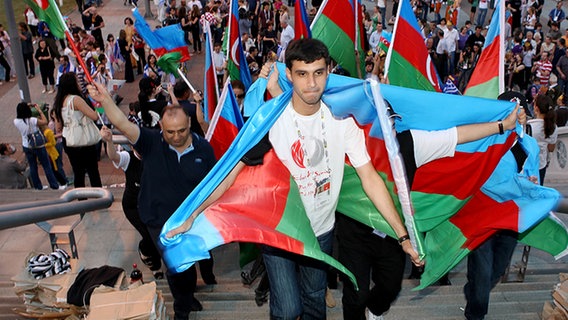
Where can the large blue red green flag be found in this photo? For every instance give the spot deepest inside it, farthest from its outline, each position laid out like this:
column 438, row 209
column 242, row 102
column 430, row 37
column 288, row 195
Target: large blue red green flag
column 237, row 65
column 242, row 216
column 488, row 78
column 225, row 123
column 408, row 63
column 47, row 11
column 210, row 84
column 336, row 25
column 162, row 40
column 301, row 22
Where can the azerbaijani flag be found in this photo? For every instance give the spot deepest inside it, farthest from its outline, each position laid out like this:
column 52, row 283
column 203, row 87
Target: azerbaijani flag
column 236, row 63
column 230, row 219
column 385, row 41
column 301, row 22
column 162, row 40
column 408, row 63
column 488, row 78
column 225, row 123
column 47, row 11
column 335, row 25
column 210, row 84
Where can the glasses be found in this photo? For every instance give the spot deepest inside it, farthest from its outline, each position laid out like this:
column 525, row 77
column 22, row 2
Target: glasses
column 240, row 96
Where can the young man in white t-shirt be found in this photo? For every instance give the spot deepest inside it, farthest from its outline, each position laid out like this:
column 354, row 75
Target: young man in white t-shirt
column 312, row 144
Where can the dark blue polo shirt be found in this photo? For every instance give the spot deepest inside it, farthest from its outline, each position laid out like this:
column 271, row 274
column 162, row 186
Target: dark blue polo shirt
column 166, row 182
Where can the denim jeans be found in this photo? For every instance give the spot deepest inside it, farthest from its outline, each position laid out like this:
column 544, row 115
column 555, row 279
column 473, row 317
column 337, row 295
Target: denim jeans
column 485, row 266
column 60, row 174
column 297, row 283
column 383, row 12
column 481, row 17
column 35, row 155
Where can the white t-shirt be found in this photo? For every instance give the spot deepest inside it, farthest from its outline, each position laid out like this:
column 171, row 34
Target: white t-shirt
column 124, row 160
column 537, row 126
column 432, row 145
column 308, row 160
column 286, row 36
column 24, row 128
column 452, row 38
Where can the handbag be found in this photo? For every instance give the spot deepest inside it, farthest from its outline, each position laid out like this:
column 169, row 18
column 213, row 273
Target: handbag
column 79, row 131
column 36, row 139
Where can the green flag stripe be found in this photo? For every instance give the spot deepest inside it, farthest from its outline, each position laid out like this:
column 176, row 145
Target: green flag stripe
column 341, row 47
column 428, row 208
column 403, row 73
column 485, row 90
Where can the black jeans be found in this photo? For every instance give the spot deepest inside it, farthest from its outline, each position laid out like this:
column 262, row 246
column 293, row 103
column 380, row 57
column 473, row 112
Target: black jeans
column 368, row 256
column 29, row 64
column 84, row 161
column 485, row 266
column 182, row 285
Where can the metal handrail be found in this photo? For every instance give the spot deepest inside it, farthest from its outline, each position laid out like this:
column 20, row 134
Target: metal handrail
column 19, row 214
column 562, row 206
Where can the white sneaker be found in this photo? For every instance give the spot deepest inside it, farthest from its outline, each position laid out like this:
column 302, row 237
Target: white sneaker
column 62, row 188
column 371, row 316
column 43, row 91
column 44, row 187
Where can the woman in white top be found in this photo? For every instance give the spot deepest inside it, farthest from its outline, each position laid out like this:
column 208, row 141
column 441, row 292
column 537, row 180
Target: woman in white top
column 544, row 130
column 83, row 158
column 27, row 124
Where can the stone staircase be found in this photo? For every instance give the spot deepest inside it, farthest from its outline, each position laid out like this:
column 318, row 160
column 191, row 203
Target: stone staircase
column 231, row 300
column 105, row 237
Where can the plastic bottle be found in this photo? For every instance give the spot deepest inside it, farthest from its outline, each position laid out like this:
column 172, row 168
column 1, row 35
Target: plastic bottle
column 136, row 275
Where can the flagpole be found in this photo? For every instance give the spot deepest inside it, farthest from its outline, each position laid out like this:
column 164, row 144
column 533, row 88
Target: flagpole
column 185, row 80
column 398, row 169
column 218, row 110
column 502, row 46
column 318, row 14
column 357, row 55
column 72, row 43
column 395, row 28
column 209, row 38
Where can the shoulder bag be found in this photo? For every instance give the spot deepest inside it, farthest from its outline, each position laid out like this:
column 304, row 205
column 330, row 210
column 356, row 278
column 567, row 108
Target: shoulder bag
column 79, row 130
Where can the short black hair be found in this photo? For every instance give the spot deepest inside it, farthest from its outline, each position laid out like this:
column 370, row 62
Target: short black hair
column 307, row 50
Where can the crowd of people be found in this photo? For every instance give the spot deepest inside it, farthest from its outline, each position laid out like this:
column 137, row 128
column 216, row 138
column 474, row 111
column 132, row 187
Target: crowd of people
column 165, row 127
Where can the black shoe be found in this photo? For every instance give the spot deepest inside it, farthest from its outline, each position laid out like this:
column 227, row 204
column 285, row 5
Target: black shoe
column 260, row 297
column 196, row 305
column 119, row 100
column 209, row 280
column 444, row 281
column 158, row 275
column 246, row 279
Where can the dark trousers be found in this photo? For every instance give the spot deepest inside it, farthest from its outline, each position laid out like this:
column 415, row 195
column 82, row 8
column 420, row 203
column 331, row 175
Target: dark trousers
column 182, row 285
column 6, row 66
column 84, row 161
column 128, row 69
column 368, row 256
column 196, row 39
column 29, row 64
column 146, row 246
column 485, row 266
column 142, row 59
column 47, row 76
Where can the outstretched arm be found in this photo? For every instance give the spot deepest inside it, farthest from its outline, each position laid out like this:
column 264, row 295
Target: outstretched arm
column 476, row 131
column 130, row 130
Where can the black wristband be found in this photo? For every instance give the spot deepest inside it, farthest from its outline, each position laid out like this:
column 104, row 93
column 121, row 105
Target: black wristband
column 500, row 124
column 403, row 238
